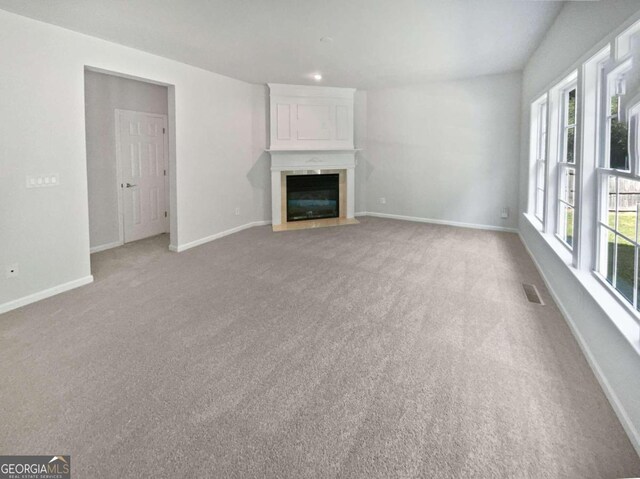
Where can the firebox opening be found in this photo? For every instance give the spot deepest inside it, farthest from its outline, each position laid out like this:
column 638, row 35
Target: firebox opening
column 313, row 196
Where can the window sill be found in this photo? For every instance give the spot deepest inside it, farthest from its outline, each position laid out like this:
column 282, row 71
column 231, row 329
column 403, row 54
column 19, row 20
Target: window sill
column 565, row 245
column 535, row 221
column 554, row 241
column 626, row 321
column 602, row 281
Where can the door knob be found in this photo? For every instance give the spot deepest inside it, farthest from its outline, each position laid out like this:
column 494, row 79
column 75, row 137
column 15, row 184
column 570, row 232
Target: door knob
column 129, row 185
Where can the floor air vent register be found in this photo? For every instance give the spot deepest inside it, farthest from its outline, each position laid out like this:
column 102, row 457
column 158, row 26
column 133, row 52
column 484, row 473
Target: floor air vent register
column 532, row 293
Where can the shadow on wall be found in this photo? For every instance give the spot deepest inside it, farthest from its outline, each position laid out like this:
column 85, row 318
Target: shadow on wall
column 364, row 167
column 259, row 177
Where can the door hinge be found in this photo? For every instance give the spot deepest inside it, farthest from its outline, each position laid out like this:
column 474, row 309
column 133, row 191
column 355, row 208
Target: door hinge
column 163, row 131
column 165, row 214
column 165, row 172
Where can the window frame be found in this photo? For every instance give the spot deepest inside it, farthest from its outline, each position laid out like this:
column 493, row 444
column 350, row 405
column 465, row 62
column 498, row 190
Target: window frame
column 539, row 155
column 564, row 165
column 591, row 75
column 614, row 75
column 611, row 78
column 604, row 230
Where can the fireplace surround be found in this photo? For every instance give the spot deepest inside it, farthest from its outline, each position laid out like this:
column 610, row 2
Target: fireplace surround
column 285, row 164
column 311, row 149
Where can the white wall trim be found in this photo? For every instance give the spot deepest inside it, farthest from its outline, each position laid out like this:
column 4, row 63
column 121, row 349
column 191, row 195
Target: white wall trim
column 32, row 298
column 438, row 222
column 183, row 247
column 106, row 246
column 621, row 413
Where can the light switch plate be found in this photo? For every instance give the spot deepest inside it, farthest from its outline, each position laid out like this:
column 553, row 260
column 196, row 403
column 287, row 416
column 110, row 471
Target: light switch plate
column 43, row 181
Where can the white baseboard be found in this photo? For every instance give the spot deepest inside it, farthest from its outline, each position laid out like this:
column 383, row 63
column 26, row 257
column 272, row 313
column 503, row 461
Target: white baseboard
column 438, row 222
column 103, row 247
column 618, row 408
column 183, row 247
column 32, row 298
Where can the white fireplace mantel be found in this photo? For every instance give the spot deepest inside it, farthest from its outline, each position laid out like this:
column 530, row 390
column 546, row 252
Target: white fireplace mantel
column 311, row 132
column 310, row 162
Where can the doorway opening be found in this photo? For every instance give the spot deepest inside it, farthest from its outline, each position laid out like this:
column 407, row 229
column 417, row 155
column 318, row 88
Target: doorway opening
column 142, row 164
column 130, row 159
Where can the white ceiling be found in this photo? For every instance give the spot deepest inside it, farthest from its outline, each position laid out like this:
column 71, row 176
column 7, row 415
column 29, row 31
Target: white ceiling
column 376, row 43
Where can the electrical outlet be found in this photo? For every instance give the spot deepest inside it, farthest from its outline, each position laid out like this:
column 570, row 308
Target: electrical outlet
column 237, row 211
column 504, row 213
column 12, row 271
column 383, row 201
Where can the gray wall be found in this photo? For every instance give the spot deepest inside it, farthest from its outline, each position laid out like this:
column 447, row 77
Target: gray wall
column 360, row 141
column 580, row 27
column 260, row 173
column 445, row 151
column 103, row 94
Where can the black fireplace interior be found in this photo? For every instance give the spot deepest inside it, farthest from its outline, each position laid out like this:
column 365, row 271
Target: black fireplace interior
column 312, row 197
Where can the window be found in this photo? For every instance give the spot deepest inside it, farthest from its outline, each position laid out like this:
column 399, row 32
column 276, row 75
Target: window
column 617, row 133
column 618, row 226
column 605, row 195
column 567, row 169
column 539, row 140
column 619, row 191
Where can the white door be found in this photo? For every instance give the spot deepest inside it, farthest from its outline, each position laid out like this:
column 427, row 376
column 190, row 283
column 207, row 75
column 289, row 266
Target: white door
column 143, row 167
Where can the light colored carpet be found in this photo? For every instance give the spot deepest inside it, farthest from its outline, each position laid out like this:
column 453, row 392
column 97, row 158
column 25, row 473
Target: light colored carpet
column 385, row 349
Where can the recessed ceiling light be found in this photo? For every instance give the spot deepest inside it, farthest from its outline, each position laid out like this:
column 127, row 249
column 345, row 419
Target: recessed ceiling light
column 317, row 77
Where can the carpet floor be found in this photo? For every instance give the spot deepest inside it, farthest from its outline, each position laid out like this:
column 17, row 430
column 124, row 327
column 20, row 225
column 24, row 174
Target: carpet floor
column 385, row 349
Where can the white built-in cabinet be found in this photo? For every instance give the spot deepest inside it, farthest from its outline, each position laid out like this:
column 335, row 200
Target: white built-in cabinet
column 311, row 117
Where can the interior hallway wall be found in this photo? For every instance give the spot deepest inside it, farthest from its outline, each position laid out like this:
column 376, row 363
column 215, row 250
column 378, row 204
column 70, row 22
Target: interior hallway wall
column 42, row 131
column 103, row 95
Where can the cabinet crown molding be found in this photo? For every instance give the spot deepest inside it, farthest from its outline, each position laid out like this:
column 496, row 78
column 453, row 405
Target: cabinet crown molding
column 281, row 89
